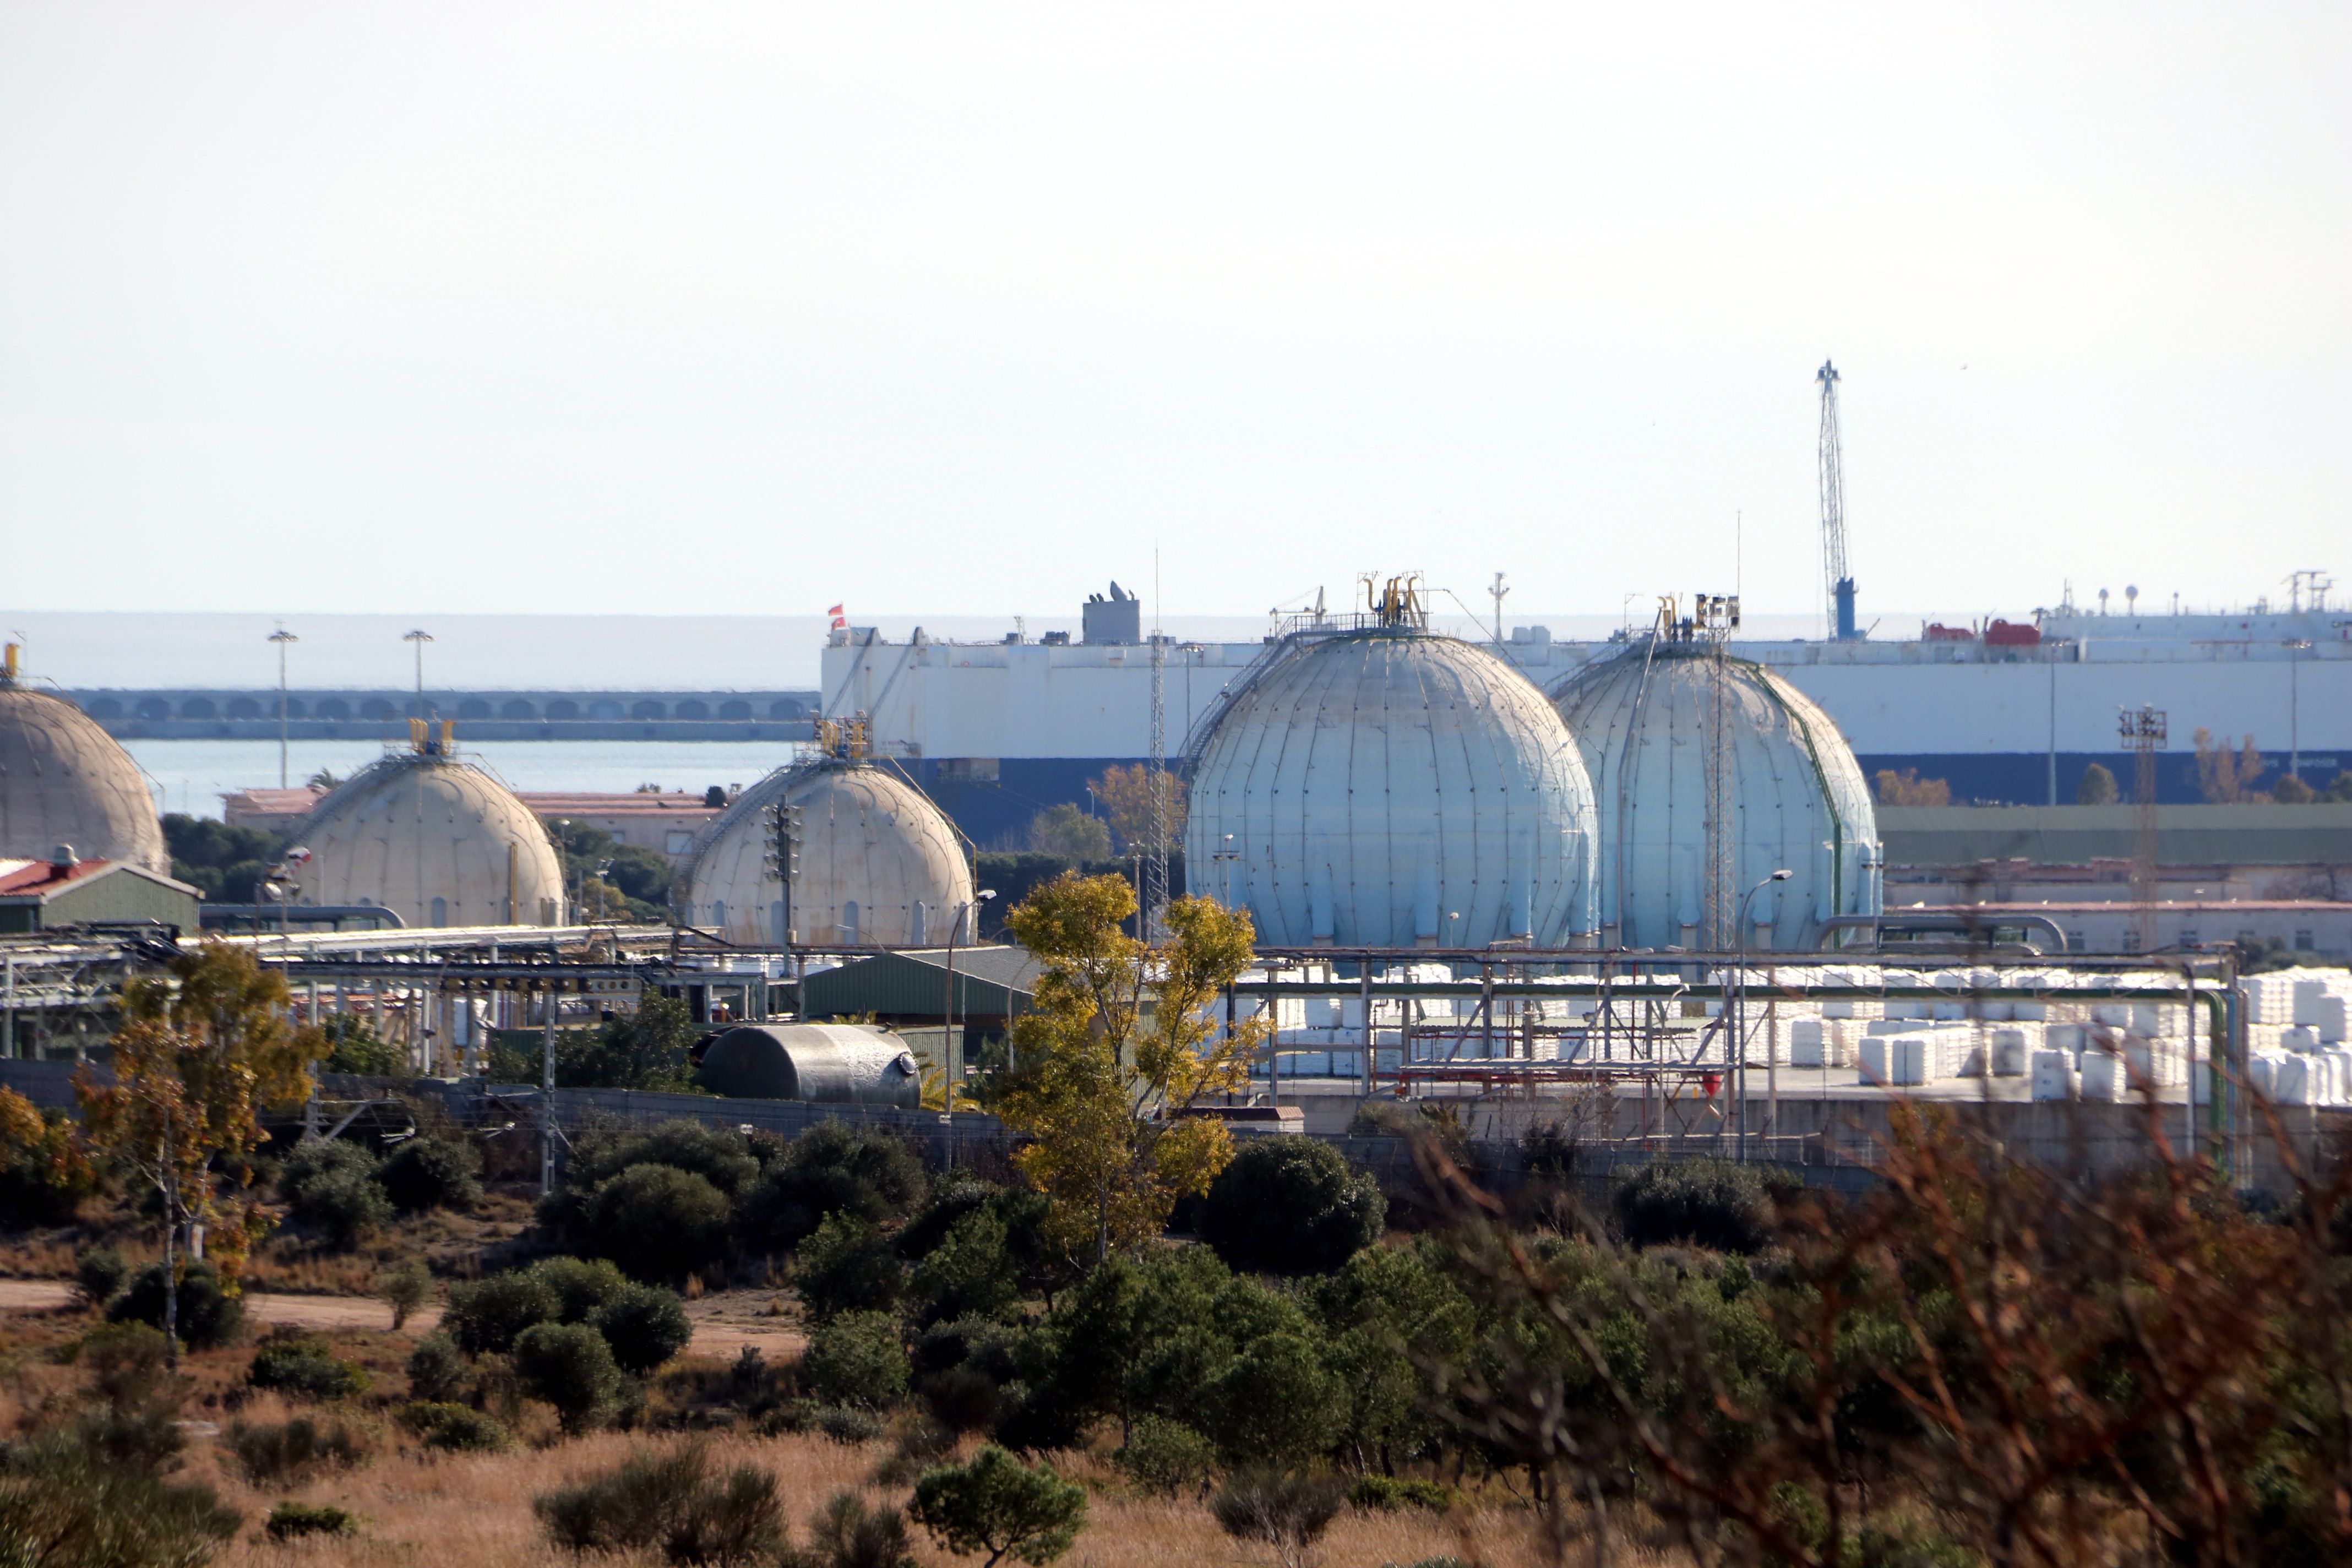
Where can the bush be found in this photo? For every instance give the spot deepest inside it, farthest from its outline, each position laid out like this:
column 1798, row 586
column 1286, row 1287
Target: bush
column 1277, row 1403
column 670, row 1501
column 1705, row 1202
column 291, row 1452
column 1166, row 1457
column 342, row 1204
column 856, row 1359
column 1386, row 1494
column 487, row 1317
column 355, row 1047
column 44, row 1173
column 846, row 1267
column 437, row 1368
column 1287, row 1513
column 848, row 1534
column 971, row 1273
column 721, row 1157
column 645, row 1325
column 998, row 1505
column 292, row 1362
column 404, row 1289
column 848, row 1424
column 432, row 1174
column 209, row 1316
column 291, row 1520
column 1290, row 1206
column 581, row 1284
column 65, row 1506
column 569, row 1366
column 832, row 1168
column 98, row 1274
column 455, row 1428
column 657, row 1222
column 133, row 1421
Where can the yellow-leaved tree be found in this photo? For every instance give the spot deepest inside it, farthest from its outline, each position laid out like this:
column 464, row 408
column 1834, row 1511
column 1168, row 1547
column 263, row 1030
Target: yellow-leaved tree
column 1121, row 1039
column 200, row 1054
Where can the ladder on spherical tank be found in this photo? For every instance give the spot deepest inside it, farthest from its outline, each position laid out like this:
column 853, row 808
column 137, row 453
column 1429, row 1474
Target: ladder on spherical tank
column 1832, row 476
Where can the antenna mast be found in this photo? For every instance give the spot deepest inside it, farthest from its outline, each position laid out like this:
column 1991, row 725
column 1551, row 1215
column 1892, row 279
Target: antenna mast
column 1833, row 458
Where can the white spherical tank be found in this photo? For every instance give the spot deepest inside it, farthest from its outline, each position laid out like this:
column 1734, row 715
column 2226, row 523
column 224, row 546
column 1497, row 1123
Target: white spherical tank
column 1646, row 721
column 63, row 780
column 879, row 866
column 1387, row 788
column 437, row 841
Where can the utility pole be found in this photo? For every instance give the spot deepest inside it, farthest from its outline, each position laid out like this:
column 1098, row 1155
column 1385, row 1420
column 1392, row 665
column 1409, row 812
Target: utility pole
column 418, row 639
column 281, row 636
column 547, row 1099
column 2143, row 733
column 783, row 863
column 1833, row 475
column 1496, row 591
column 1155, row 865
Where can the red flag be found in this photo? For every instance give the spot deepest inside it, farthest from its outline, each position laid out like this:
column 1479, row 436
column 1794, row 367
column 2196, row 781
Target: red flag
column 840, row 621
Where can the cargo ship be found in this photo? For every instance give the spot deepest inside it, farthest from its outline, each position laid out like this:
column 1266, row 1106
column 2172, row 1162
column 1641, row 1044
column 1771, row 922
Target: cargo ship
column 1997, row 712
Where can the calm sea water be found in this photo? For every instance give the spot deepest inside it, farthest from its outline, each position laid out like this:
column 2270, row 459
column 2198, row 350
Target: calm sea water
column 190, row 776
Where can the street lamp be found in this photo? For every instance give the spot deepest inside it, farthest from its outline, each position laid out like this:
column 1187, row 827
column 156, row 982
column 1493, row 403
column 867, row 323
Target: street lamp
column 281, row 636
column 1739, row 1015
column 419, row 639
column 951, row 1059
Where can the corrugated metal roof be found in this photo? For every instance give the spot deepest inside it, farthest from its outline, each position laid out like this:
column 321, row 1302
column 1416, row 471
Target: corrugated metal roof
column 989, row 981
column 2251, row 835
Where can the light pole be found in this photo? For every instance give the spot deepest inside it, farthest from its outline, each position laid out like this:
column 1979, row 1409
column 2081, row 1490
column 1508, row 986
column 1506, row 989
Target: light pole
column 419, row 639
column 1739, row 1016
column 2295, row 646
column 281, row 636
column 951, row 1059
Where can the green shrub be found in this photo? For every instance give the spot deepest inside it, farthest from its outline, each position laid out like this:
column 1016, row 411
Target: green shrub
column 432, row 1174
column 290, row 1452
column 1290, row 1206
column 832, row 1168
column 847, row 1534
column 291, row 1520
column 856, row 1359
column 404, row 1289
column 645, row 1325
column 132, row 1419
column 292, row 1362
column 971, row 1273
column 1166, row 1457
column 209, row 1316
column 849, row 1423
column 672, row 1502
column 581, row 1284
column 487, row 1317
column 1386, row 1494
column 355, row 1047
column 437, row 1369
column 1276, row 1403
column 458, row 1429
column 98, row 1274
column 62, row 1505
column 998, row 1505
column 658, row 1223
column 846, row 1267
column 341, row 1204
column 719, row 1155
column 45, row 1172
column 569, row 1366
column 1287, row 1513
column 1704, row 1202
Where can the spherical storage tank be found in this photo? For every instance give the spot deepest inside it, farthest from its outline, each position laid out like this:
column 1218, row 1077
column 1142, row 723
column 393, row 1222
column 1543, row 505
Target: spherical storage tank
column 1646, row 721
column 63, row 780
column 834, row 1064
column 1383, row 787
column 879, row 866
column 438, row 841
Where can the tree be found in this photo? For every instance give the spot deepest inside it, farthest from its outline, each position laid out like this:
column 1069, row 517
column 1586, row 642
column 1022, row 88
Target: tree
column 2227, row 777
column 2292, row 791
column 1290, row 1206
column 1101, row 1090
column 998, row 1505
column 1125, row 793
column 2097, row 788
column 569, row 1366
column 223, row 861
column 1908, row 788
column 199, row 1054
column 1066, row 830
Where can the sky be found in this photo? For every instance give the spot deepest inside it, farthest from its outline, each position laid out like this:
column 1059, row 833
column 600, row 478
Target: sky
column 705, row 309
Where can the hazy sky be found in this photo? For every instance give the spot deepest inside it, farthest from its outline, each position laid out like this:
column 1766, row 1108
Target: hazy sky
column 683, row 307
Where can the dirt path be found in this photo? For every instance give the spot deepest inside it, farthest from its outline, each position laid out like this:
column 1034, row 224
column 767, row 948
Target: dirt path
column 722, row 1326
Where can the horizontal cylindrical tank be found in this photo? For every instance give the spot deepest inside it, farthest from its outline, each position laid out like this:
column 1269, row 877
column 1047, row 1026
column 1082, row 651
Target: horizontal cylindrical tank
column 1389, row 788
column 829, row 1063
column 1674, row 736
column 879, row 865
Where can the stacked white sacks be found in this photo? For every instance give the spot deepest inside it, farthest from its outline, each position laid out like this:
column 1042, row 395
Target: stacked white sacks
column 2054, row 1076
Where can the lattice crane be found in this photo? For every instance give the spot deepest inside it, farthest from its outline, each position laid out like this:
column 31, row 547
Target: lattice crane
column 1840, row 577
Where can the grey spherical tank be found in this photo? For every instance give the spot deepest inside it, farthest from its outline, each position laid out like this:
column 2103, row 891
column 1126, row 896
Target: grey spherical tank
column 879, row 865
column 435, row 839
column 64, row 781
column 1675, row 735
column 1373, row 785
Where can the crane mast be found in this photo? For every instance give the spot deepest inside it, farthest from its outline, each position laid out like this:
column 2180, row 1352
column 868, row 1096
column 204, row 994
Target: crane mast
column 1841, row 578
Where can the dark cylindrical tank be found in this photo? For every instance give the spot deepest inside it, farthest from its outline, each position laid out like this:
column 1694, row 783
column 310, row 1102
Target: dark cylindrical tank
column 830, row 1064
